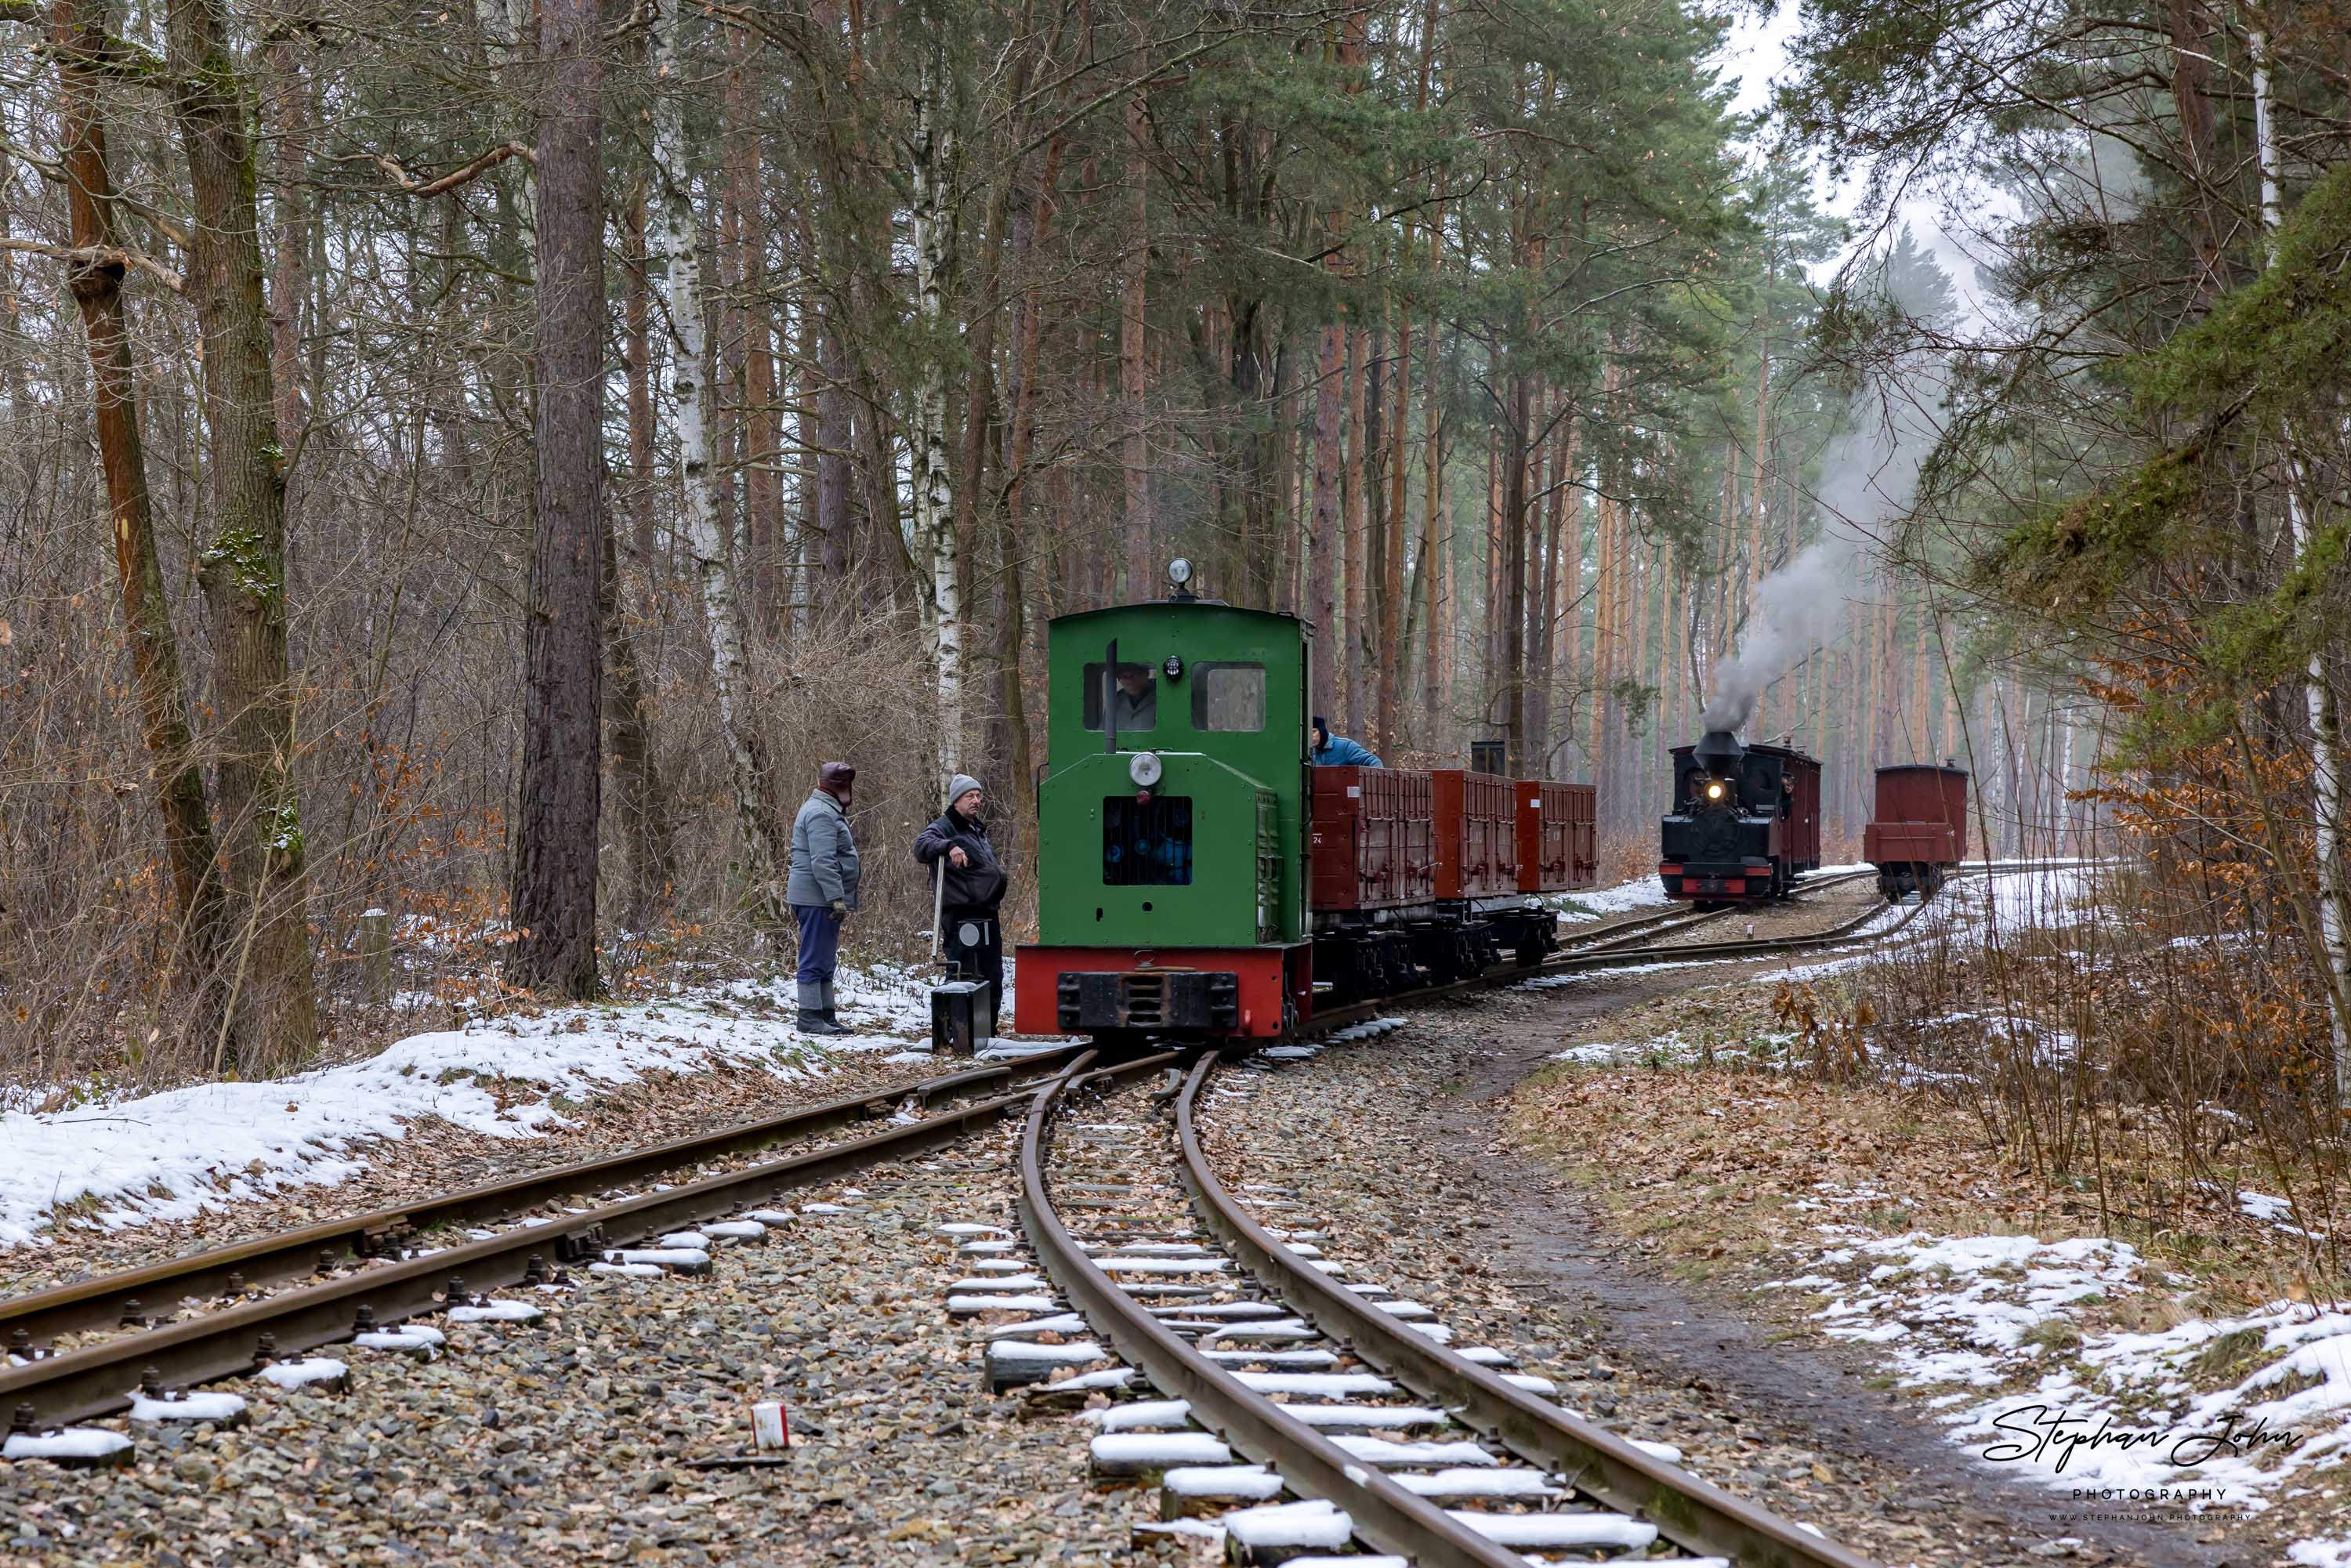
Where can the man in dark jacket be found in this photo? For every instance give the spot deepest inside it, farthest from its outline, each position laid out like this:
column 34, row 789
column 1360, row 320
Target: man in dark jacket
column 822, row 888
column 957, row 847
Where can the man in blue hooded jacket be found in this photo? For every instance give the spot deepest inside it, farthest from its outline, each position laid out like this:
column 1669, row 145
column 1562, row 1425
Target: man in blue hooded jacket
column 1336, row 750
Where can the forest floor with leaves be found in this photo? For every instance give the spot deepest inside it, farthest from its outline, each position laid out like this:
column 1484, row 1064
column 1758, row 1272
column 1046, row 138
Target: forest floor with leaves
column 2077, row 1351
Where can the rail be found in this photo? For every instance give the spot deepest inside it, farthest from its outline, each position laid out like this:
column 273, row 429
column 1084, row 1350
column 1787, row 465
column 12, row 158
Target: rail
column 98, row 1379
column 1382, row 1512
column 1693, row 1513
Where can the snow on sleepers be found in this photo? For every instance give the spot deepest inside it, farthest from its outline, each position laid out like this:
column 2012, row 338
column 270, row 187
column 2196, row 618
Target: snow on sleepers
column 1273, row 1527
column 1266, row 1333
column 1489, row 1481
column 1252, row 1310
column 225, row 1409
column 1323, row 1385
column 1553, row 1531
column 677, row 1260
column 737, row 1229
column 1276, row 1360
column 1012, row 1362
column 308, row 1372
column 1379, row 1453
column 497, row 1311
column 965, row 1227
column 72, row 1447
column 1191, row 1490
column 970, row 1306
column 1060, row 1322
column 1005, row 1283
column 1151, row 1453
column 422, row 1341
column 629, row 1271
column 1071, row 1393
column 1531, row 1382
column 1486, row 1356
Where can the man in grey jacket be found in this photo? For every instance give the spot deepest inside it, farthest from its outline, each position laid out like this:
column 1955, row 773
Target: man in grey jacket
column 822, row 891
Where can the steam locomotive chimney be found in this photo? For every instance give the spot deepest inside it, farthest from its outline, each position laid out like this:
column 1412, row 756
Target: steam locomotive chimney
column 1718, row 751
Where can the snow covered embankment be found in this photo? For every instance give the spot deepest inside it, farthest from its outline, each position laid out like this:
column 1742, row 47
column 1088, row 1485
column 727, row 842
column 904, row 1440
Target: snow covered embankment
column 2214, row 1413
column 173, row 1155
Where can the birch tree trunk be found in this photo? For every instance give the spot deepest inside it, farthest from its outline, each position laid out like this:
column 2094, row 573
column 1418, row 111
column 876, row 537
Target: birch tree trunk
column 2318, row 694
column 674, row 235
column 273, row 1008
column 935, row 543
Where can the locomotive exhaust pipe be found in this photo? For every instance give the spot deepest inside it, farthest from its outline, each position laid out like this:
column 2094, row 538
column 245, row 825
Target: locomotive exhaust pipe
column 1718, row 751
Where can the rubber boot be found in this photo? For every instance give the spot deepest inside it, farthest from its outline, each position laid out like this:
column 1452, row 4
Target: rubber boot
column 812, row 1019
column 831, row 1015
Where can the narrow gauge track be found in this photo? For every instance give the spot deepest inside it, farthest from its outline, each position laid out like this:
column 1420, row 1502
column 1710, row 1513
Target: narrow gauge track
column 1676, row 918
column 101, row 1378
column 137, row 1297
column 368, row 1274
column 1591, row 1489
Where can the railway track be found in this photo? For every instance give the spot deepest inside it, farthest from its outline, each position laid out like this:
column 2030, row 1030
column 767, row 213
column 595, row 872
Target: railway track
column 1675, row 919
column 1348, row 1400
column 355, row 1295
column 234, row 1310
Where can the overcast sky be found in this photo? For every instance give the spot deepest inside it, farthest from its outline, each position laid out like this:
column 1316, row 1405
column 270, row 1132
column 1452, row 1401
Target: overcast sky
column 1755, row 53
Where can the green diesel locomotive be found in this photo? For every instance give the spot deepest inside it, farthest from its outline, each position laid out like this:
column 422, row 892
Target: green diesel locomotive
column 1181, row 832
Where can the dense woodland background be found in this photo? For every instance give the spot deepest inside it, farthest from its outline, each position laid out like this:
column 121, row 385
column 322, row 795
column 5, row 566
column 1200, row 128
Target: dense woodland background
column 828, row 349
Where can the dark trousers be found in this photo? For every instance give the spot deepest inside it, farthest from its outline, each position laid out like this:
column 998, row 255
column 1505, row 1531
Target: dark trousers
column 980, row 960
column 820, row 942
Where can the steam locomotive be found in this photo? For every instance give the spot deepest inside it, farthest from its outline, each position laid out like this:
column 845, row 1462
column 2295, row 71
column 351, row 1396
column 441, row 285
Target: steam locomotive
column 1746, row 822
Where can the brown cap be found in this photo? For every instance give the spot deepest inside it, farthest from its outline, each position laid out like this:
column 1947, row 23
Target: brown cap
column 835, row 778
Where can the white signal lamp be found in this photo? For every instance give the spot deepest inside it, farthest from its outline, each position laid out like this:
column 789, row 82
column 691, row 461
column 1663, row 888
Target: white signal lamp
column 1179, row 572
column 1144, row 769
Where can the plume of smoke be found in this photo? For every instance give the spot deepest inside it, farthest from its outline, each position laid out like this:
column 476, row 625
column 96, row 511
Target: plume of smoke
column 1868, row 474
column 1797, row 609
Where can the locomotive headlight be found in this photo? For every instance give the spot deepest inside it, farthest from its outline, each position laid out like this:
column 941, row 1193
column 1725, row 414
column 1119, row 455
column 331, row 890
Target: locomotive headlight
column 1714, row 788
column 1145, row 769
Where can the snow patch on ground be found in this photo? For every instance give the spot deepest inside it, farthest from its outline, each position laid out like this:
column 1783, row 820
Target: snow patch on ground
column 2106, row 1409
column 1641, row 893
column 174, row 1155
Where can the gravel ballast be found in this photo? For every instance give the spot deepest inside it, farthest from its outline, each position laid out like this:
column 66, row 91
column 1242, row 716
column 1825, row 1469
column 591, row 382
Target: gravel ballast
column 571, row 1439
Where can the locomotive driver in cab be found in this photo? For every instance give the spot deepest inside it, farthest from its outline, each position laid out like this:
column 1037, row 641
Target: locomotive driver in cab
column 974, row 890
column 1338, row 751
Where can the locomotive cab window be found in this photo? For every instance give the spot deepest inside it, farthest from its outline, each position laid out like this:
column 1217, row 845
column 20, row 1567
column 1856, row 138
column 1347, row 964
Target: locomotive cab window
column 1135, row 697
column 1147, row 843
column 1229, row 697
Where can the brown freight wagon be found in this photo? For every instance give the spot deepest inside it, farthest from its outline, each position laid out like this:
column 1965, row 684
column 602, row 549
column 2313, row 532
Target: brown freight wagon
column 1918, row 833
column 1477, row 818
column 1372, row 841
column 1558, row 841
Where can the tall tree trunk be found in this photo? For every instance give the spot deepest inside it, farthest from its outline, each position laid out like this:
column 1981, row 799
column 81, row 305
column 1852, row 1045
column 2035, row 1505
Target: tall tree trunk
column 555, row 871
column 289, row 119
column 1513, row 612
column 637, row 343
column 1351, row 501
column 1322, row 538
column 1134, row 461
column 636, row 773
column 2318, row 691
column 678, row 239
column 932, row 154
column 274, row 1006
column 762, row 420
column 79, row 33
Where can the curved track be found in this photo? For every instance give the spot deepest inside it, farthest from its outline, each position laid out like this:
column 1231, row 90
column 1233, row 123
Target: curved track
column 1601, row 1472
